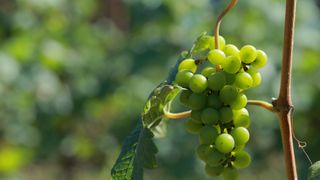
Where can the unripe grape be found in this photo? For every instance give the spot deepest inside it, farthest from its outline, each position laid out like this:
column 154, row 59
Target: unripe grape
column 230, row 174
column 215, row 158
column 232, row 64
column 229, row 77
column 207, row 71
column 239, row 147
column 248, row 54
column 214, row 101
column 188, row 64
column 216, row 57
column 231, row 50
column 240, row 102
column 256, row 77
column 208, row 135
column 224, row 143
column 197, row 101
column 261, row 59
column 184, row 97
column 240, row 135
column 210, row 116
column 213, row 171
column 196, row 115
column 216, row 81
column 203, row 150
column 202, row 43
column 226, row 115
column 241, row 118
column 243, row 80
column 242, row 160
column 183, row 77
column 198, row 83
column 228, row 94
column 192, row 126
column 222, row 43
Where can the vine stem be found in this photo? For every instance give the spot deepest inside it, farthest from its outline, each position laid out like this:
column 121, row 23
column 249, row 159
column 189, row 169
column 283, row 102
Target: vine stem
column 283, row 104
column 179, row 115
column 262, row 104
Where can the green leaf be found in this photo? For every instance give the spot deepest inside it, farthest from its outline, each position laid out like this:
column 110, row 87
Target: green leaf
column 314, row 171
column 138, row 151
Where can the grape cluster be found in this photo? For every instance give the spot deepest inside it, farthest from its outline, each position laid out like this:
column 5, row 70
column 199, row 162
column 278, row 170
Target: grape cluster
column 213, row 88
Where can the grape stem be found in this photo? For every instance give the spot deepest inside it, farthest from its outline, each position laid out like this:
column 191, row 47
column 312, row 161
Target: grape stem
column 170, row 115
column 263, row 104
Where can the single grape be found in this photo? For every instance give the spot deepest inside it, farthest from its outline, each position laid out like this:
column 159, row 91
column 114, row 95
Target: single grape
column 214, row 101
column 215, row 158
column 192, row 126
column 242, row 160
column 232, row 64
column 213, row 171
column 240, row 135
column 210, row 116
column 230, row 174
column 222, row 42
column 231, row 50
column 241, row 118
column 226, row 115
column 240, row 102
column 202, row 43
column 203, row 150
column 196, row 115
column 207, row 71
column 243, row 80
column 261, row 59
column 188, row 64
column 184, row 97
column 198, row 83
column 216, row 81
column 197, row 101
column 229, row 77
column 228, row 94
column 216, row 57
column 239, row 147
column 256, row 77
column 224, row 143
column 208, row 135
column 183, row 77
column 248, row 54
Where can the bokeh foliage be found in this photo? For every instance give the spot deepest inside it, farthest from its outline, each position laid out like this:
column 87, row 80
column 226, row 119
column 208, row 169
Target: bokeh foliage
column 75, row 75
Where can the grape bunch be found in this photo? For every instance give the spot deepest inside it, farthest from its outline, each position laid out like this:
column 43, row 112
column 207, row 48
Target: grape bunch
column 213, row 88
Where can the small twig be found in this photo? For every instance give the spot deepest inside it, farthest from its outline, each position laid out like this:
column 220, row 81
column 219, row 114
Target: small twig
column 180, row 115
column 263, row 104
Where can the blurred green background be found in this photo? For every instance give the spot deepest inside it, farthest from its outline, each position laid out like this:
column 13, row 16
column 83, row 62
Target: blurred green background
column 74, row 76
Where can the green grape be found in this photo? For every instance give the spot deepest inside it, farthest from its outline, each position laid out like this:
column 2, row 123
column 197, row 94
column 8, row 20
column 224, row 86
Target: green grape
column 261, row 59
column 243, row 80
column 213, row 171
column 241, row 118
column 184, row 97
column 216, row 81
column 197, row 101
column 210, row 116
column 222, row 42
column 240, row 135
column 248, row 54
column 192, row 126
column 224, row 143
column 202, row 43
column 208, row 135
column 229, row 77
column 228, row 94
column 188, row 64
column 183, row 77
column 207, row 71
column 184, row 54
column 196, row 115
column 203, row 150
column 230, row 174
column 232, row 64
column 198, row 83
column 214, row 101
column 239, row 147
column 226, row 115
column 215, row 158
column 240, row 102
column 256, row 77
column 231, row 50
column 242, row 160
column 216, row 57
